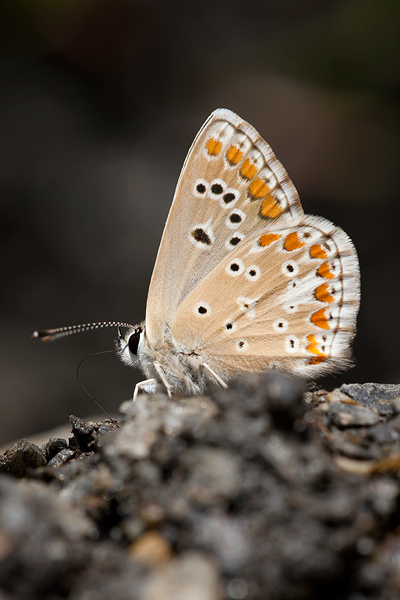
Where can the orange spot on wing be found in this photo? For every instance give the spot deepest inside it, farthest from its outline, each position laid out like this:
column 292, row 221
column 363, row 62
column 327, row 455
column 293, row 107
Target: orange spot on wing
column 313, row 345
column 213, row 146
column 270, row 208
column 258, row 188
column 313, row 348
column 248, row 169
column 319, row 319
column 322, row 294
column 234, row 155
column 317, row 359
column 317, row 251
column 268, row 238
column 325, row 271
column 292, row 242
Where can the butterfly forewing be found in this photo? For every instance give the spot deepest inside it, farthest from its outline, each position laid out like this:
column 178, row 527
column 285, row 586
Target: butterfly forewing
column 286, row 298
column 231, row 182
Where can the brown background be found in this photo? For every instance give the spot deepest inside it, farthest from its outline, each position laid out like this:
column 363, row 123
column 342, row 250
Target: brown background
column 99, row 103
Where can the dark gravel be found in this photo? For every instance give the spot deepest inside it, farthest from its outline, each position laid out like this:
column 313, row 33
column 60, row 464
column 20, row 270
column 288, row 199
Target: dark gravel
column 263, row 491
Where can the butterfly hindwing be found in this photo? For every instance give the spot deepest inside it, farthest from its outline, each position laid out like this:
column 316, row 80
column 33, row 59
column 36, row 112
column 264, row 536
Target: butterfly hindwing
column 287, row 297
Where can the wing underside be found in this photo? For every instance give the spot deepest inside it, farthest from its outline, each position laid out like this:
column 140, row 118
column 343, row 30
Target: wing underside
column 286, row 299
column 231, row 182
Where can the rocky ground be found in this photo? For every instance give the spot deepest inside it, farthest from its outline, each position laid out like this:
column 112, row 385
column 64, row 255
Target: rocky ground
column 264, row 491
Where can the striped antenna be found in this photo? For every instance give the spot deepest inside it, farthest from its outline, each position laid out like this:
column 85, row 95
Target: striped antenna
column 50, row 335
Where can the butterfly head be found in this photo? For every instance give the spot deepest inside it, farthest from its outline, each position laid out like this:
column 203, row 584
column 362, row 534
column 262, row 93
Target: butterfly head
column 129, row 345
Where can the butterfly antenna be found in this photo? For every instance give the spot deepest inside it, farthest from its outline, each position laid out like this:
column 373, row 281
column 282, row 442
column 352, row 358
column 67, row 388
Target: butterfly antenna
column 86, row 391
column 50, row 335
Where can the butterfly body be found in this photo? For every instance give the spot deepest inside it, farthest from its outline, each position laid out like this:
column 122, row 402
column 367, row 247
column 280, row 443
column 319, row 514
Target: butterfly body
column 244, row 281
column 180, row 365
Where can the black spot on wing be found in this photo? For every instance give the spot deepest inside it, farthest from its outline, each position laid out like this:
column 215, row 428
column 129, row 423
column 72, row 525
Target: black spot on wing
column 201, row 236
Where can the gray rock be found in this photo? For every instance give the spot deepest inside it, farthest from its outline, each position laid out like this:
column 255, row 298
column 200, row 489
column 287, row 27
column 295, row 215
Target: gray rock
column 396, row 405
column 21, row 457
column 350, row 415
column 226, row 537
column 53, row 446
column 190, row 577
column 61, row 457
column 248, row 478
column 373, row 395
column 384, row 433
column 213, row 474
column 150, row 415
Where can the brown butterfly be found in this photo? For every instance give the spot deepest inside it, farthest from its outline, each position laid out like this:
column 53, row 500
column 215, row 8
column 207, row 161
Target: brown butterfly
column 244, row 281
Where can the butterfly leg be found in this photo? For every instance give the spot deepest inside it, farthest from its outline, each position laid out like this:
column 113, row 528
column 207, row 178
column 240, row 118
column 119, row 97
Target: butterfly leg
column 139, row 386
column 205, row 366
column 161, row 373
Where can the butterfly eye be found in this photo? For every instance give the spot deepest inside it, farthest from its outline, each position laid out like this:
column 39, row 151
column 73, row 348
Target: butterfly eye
column 134, row 339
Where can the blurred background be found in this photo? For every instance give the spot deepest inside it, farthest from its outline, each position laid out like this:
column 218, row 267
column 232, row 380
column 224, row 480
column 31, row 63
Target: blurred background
column 99, row 103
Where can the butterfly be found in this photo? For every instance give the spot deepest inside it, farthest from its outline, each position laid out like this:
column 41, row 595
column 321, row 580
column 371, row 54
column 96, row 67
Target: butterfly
column 244, row 281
